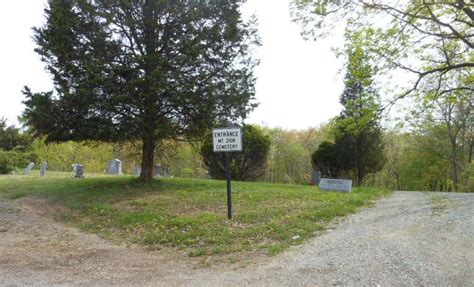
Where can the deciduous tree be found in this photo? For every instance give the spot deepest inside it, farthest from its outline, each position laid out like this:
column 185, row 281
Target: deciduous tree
column 409, row 34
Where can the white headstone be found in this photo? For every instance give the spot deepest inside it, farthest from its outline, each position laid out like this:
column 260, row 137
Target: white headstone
column 114, row 167
column 157, row 170
column 315, row 177
column 79, row 170
column 342, row 185
column 166, row 172
column 43, row 168
column 28, row 168
column 137, row 170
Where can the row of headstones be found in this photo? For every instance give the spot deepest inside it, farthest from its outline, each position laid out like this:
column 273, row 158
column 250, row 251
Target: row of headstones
column 77, row 168
column 114, row 167
column 43, row 168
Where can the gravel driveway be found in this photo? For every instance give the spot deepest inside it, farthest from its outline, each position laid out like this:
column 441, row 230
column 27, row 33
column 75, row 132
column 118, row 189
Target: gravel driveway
column 410, row 238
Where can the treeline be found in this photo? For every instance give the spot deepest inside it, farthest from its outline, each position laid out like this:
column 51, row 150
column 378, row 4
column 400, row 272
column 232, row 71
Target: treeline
column 419, row 159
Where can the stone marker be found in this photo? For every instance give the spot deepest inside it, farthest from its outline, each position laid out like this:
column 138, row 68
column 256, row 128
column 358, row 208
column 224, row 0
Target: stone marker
column 157, row 170
column 137, row 170
column 28, row 168
column 79, row 169
column 316, row 177
column 43, row 168
column 166, row 172
column 114, row 167
column 342, row 185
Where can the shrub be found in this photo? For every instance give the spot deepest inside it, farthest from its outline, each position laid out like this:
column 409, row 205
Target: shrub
column 11, row 159
column 248, row 165
column 5, row 166
column 325, row 159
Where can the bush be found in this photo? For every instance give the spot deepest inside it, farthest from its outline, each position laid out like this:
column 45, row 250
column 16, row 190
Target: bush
column 5, row 166
column 248, row 165
column 12, row 138
column 325, row 159
column 11, row 159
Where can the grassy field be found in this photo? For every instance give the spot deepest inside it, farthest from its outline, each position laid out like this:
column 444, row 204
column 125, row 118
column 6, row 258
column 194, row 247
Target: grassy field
column 190, row 214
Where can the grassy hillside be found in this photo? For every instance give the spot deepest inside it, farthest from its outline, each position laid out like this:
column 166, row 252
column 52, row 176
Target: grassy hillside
column 190, row 214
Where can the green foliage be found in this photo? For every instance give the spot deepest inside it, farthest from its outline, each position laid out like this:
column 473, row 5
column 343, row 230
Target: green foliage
column 183, row 159
column 142, row 70
column 190, row 214
column 180, row 157
column 325, row 159
column 13, row 147
column 420, row 160
column 250, row 164
column 358, row 147
column 10, row 160
column 469, row 186
column 430, row 39
column 289, row 157
column 5, row 167
column 60, row 156
column 12, row 138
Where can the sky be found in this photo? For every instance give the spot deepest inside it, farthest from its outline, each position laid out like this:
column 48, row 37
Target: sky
column 298, row 84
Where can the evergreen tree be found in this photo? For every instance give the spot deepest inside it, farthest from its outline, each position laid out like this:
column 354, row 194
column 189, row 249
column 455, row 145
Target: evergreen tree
column 359, row 141
column 358, row 146
column 144, row 70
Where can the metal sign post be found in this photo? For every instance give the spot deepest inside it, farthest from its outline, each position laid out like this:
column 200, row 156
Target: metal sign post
column 229, row 192
column 227, row 140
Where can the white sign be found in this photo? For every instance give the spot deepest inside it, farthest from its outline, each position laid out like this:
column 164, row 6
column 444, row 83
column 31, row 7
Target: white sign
column 227, row 139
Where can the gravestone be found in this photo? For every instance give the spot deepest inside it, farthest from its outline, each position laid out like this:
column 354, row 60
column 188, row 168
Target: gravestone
column 341, row 185
column 28, row 168
column 166, row 172
column 79, row 169
column 316, row 177
column 114, row 167
column 157, row 170
column 137, row 170
column 43, row 168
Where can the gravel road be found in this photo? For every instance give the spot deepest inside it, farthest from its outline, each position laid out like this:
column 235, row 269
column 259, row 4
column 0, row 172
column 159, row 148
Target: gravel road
column 410, row 238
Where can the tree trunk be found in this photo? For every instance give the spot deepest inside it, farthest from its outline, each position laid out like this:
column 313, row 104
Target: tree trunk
column 399, row 185
column 360, row 176
column 148, row 158
column 454, row 163
column 471, row 149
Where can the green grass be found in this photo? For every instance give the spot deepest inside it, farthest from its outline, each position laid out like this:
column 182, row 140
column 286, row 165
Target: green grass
column 191, row 214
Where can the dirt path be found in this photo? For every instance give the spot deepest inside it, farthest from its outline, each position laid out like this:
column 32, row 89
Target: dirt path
column 410, row 238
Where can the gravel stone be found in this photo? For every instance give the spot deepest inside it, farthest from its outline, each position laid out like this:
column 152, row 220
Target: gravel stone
column 410, row 238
